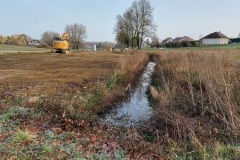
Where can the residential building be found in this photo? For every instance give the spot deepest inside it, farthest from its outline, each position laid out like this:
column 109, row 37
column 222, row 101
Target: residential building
column 182, row 39
column 166, row 41
column 215, row 38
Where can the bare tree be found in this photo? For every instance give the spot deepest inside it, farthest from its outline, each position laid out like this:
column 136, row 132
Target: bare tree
column 28, row 38
column 48, row 37
column 136, row 24
column 77, row 34
column 155, row 41
column 120, row 29
column 124, row 29
column 143, row 20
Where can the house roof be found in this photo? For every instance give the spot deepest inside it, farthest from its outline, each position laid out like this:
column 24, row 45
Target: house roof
column 188, row 38
column 181, row 39
column 215, row 35
column 165, row 41
column 177, row 39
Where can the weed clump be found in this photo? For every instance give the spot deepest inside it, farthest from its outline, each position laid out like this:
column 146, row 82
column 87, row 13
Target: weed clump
column 23, row 137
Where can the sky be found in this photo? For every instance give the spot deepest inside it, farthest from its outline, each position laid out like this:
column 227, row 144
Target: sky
column 174, row 18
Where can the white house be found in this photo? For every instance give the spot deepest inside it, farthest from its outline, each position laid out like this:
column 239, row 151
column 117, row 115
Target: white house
column 215, row 38
column 238, row 36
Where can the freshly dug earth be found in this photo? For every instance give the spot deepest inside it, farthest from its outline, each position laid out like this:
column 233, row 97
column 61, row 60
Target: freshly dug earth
column 44, row 71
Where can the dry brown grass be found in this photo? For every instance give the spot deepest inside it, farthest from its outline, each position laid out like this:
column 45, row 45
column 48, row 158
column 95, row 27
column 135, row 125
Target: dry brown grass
column 196, row 97
column 195, row 100
column 195, row 94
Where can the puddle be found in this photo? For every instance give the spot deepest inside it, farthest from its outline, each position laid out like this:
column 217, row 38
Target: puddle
column 136, row 108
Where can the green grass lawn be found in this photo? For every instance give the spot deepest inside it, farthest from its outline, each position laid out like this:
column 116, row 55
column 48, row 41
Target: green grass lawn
column 227, row 46
column 4, row 48
column 230, row 46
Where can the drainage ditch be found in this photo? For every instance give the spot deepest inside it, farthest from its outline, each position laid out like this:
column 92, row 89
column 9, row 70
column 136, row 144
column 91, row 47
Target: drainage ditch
column 136, row 108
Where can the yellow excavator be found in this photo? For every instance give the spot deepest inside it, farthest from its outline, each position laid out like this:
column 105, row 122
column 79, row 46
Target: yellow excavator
column 61, row 45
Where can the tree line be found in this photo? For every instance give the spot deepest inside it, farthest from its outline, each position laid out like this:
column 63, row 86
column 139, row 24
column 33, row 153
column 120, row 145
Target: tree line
column 131, row 28
column 135, row 24
column 77, row 34
column 15, row 39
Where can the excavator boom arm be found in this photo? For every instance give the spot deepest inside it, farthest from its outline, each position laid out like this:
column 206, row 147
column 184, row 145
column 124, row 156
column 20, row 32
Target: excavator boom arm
column 65, row 36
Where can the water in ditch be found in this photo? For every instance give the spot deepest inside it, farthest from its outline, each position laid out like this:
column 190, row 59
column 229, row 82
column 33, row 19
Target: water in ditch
column 136, row 108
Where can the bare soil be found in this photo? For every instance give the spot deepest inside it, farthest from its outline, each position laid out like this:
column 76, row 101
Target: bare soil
column 50, row 70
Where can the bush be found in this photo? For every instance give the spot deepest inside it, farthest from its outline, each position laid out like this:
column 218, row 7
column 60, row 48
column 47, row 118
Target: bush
column 177, row 45
column 3, row 39
column 186, row 44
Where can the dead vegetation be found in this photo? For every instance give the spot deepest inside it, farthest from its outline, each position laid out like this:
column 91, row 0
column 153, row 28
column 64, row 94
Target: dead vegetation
column 60, row 95
column 196, row 103
column 49, row 105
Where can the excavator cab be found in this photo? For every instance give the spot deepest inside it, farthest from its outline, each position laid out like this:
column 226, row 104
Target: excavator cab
column 57, row 39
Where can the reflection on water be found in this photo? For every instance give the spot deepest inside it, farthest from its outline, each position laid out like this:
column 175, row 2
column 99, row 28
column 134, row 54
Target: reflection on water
column 136, row 107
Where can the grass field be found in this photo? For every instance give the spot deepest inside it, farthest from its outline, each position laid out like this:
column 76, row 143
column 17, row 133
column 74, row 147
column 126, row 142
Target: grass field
column 196, row 99
column 4, row 48
column 50, row 105
column 202, row 47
